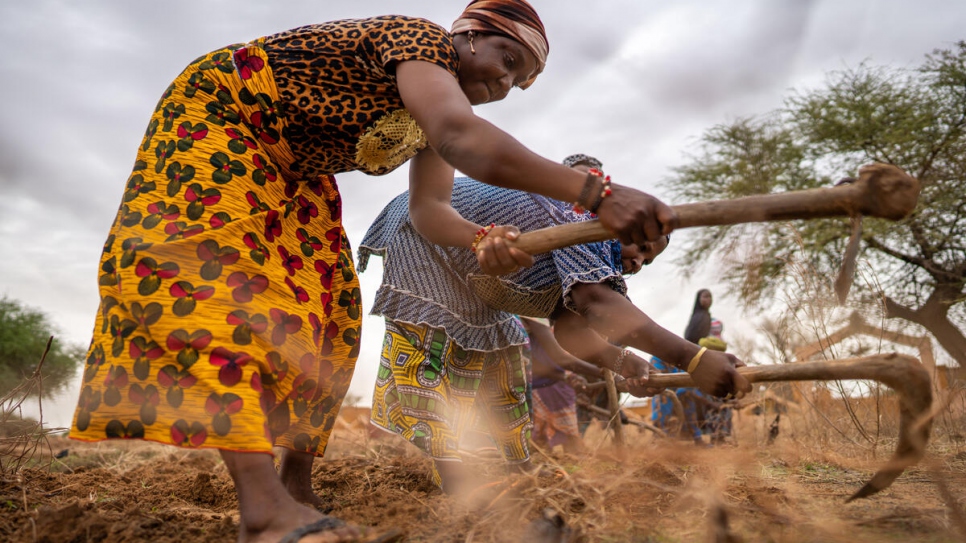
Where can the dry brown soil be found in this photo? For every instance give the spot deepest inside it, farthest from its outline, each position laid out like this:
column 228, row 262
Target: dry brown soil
column 653, row 491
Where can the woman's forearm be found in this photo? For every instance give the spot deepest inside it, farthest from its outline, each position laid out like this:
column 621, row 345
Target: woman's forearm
column 473, row 145
column 616, row 318
column 442, row 225
column 574, row 334
column 585, row 368
column 486, row 153
column 545, row 337
column 430, row 193
column 549, row 372
column 563, row 358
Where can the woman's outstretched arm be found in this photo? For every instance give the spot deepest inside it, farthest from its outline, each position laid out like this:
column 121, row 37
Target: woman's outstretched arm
column 543, row 335
column 575, row 335
column 612, row 315
column 481, row 150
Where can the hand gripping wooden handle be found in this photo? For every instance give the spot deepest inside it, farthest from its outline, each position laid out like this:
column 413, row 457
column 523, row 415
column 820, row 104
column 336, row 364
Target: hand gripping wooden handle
column 882, row 190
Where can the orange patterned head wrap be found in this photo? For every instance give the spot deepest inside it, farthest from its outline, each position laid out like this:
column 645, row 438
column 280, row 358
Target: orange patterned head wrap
column 513, row 18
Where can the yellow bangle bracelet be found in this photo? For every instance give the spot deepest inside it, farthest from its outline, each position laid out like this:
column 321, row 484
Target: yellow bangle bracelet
column 696, row 360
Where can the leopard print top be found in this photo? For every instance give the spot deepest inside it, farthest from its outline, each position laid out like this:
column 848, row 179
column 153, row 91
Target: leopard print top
column 337, row 85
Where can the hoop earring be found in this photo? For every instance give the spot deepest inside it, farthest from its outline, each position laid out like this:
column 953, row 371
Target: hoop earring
column 469, row 36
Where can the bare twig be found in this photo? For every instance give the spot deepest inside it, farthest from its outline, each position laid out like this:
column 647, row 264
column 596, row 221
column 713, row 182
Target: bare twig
column 955, row 509
column 21, row 447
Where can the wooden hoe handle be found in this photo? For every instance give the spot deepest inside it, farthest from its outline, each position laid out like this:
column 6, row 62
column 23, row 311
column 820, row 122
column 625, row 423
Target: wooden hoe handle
column 903, row 374
column 881, row 190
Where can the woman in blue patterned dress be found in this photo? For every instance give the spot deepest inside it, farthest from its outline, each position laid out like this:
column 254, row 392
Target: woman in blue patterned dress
column 452, row 339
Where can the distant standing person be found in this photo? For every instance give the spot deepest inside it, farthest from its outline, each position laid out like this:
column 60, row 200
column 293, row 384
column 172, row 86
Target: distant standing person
column 700, row 324
column 717, row 415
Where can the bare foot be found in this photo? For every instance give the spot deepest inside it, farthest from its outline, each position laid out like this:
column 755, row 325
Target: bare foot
column 296, row 476
column 268, row 513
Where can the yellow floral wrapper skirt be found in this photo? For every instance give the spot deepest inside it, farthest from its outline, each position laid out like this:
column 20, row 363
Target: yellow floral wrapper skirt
column 430, row 391
column 230, row 308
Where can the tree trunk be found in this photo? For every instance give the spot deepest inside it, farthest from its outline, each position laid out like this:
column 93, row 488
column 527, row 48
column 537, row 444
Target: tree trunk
column 934, row 317
column 949, row 337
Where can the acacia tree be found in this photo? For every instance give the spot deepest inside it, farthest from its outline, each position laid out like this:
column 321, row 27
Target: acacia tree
column 912, row 118
column 23, row 337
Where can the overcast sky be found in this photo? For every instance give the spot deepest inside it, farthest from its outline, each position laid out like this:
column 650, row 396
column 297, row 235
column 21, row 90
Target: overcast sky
column 634, row 82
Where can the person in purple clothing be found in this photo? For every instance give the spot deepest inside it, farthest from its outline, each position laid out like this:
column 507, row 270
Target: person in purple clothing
column 558, row 377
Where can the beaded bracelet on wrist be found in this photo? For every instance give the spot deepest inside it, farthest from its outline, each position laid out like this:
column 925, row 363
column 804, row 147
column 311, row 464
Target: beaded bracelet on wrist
column 584, row 203
column 590, row 183
column 619, row 363
column 604, row 193
column 480, row 234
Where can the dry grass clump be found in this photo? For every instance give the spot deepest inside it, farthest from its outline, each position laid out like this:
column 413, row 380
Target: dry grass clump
column 23, row 440
column 653, row 490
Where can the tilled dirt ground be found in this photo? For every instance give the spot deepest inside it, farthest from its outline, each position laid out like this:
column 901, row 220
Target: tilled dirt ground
column 652, row 491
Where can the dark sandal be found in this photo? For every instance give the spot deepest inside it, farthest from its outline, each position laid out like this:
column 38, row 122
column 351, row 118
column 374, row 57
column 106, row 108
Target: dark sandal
column 331, row 523
column 324, row 524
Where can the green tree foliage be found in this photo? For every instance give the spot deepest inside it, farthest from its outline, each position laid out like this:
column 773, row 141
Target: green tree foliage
column 912, row 118
column 23, row 337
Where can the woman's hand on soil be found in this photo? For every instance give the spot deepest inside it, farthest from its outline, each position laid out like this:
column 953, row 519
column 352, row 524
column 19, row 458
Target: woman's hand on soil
column 636, row 217
column 717, row 375
column 496, row 257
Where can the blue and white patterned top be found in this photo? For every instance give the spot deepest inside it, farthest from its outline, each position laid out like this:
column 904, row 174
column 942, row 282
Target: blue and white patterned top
column 444, row 287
